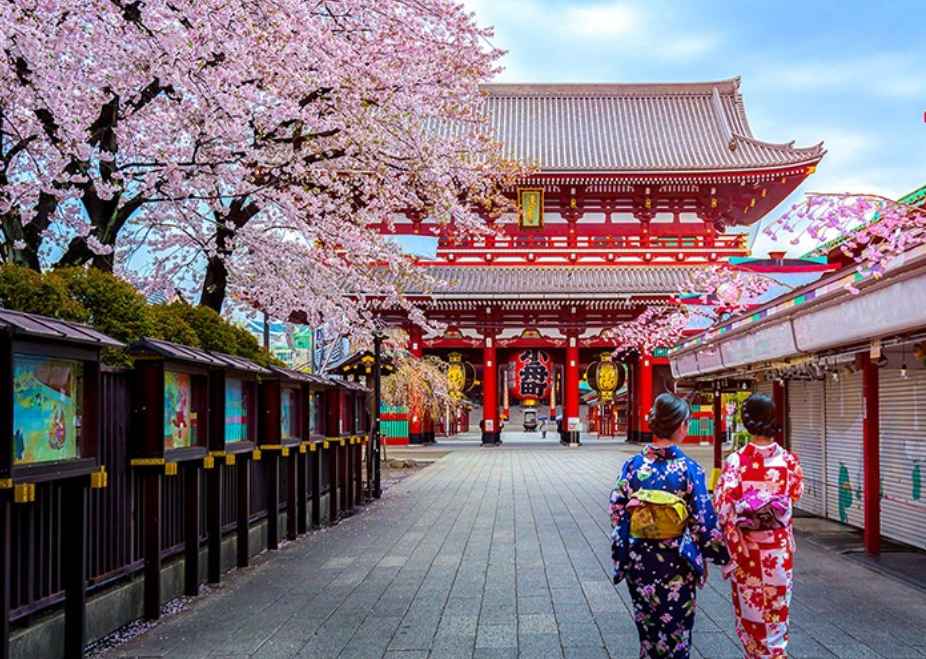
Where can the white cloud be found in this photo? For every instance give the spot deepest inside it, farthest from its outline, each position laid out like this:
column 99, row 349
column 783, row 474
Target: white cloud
column 607, row 21
column 892, row 75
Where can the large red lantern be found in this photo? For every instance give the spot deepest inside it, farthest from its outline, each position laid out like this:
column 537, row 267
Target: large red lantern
column 529, row 375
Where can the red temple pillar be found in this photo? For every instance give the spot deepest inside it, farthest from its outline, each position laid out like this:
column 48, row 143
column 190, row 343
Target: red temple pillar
column 415, row 422
column 718, row 438
column 491, row 432
column 780, row 398
column 871, row 449
column 571, row 392
column 645, row 397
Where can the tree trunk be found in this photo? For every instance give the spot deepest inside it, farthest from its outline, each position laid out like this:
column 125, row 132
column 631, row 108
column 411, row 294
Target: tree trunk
column 215, row 284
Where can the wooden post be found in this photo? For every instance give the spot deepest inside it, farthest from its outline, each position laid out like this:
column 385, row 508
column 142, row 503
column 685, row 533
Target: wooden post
column 333, row 498
column 272, row 465
column 358, row 474
column 214, row 521
column 302, row 492
column 871, row 430
column 74, row 563
column 347, row 474
column 332, row 435
column 292, row 489
column 242, row 530
column 315, row 470
column 152, row 544
column 6, row 541
column 191, row 519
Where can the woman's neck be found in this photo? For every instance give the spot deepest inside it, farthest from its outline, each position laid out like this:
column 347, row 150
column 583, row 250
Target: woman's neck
column 663, row 443
column 761, row 440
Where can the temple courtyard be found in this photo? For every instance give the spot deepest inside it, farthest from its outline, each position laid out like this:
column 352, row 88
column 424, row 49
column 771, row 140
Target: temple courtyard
column 503, row 552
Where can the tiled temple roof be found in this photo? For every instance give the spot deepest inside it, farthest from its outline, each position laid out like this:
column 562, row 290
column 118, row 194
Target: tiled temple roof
column 563, row 281
column 678, row 127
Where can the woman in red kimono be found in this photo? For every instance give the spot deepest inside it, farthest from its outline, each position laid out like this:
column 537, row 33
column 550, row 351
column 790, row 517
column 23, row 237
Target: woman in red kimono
column 757, row 488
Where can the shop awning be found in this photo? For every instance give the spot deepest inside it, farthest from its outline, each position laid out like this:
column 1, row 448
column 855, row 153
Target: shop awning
column 822, row 317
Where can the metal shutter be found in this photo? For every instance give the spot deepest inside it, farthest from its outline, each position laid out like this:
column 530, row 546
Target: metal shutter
column 903, row 454
column 805, row 428
column 843, row 442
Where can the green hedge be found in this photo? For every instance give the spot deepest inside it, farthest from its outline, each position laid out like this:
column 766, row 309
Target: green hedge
column 117, row 309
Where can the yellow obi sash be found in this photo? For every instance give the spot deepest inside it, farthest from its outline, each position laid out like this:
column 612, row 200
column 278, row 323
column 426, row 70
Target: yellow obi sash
column 657, row 515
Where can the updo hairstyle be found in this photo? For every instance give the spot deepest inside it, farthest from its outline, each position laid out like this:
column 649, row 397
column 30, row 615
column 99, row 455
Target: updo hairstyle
column 760, row 416
column 668, row 413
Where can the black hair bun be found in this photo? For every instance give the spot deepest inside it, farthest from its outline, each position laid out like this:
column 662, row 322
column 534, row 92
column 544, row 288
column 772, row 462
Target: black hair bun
column 667, row 414
column 760, row 416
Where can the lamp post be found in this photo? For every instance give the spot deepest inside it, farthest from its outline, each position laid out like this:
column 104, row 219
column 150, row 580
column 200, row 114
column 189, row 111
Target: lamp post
column 373, row 469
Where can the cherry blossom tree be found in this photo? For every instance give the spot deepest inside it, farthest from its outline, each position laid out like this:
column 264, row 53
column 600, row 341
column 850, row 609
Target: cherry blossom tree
column 261, row 142
column 421, row 385
column 871, row 230
column 728, row 288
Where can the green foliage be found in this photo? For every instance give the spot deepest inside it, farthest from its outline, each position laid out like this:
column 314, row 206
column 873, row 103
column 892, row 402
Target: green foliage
column 168, row 323
column 114, row 307
column 22, row 289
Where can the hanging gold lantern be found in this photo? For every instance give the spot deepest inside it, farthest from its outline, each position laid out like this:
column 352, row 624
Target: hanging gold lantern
column 461, row 374
column 605, row 376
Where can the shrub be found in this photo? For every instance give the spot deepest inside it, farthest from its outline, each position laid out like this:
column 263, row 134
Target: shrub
column 114, row 307
column 22, row 289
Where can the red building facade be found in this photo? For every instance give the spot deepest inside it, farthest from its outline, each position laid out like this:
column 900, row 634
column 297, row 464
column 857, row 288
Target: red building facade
column 637, row 186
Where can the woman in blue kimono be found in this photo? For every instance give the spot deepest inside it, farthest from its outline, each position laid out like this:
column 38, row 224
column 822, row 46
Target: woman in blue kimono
column 664, row 527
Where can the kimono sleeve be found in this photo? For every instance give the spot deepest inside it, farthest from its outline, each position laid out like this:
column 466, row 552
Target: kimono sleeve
column 795, row 477
column 620, row 523
column 728, row 491
column 703, row 526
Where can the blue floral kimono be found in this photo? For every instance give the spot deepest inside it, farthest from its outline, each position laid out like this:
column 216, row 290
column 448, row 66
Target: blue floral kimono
column 662, row 575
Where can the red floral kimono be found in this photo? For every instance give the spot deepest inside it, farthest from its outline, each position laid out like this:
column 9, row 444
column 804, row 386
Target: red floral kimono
column 760, row 561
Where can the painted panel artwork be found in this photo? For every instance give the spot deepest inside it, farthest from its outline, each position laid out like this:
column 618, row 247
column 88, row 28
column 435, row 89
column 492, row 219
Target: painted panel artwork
column 289, row 414
column 47, row 408
column 236, row 411
column 179, row 417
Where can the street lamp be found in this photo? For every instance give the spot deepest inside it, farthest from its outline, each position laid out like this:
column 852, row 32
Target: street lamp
column 374, row 465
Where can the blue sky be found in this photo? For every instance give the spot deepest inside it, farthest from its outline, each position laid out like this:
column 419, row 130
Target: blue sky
column 851, row 73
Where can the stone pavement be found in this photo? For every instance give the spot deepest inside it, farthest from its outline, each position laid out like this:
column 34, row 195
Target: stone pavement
column 501, row 553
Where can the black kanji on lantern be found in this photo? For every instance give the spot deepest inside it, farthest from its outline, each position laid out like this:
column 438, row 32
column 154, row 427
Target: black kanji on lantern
column 533, row 374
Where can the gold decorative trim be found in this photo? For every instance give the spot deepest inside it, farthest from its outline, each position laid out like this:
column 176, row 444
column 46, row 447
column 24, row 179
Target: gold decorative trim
column 24, row 493
column 208, row 462
column 6, row 483
column 217, row 454
column 147, row 462
column 230, row 460
column 284, row 452
column 325, row 444
column 255, row 454
column 99, row 479
column 302, row 448
column 170, row 469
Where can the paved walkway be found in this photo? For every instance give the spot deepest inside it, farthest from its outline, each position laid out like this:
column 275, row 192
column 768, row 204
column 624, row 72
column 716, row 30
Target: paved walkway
column 502, row 553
